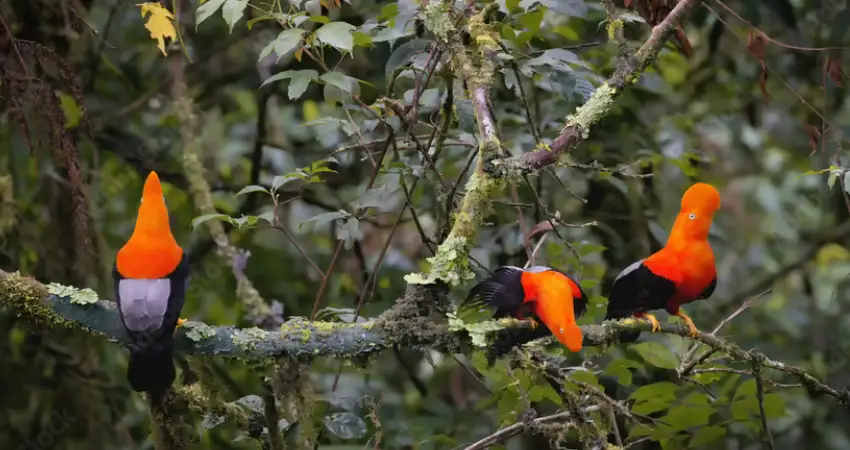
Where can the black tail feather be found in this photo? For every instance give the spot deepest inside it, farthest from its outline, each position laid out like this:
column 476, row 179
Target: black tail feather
column 503, row 290
column 151, row 370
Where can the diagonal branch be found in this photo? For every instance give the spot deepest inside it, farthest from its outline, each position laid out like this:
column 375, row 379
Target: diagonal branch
column 577, row 126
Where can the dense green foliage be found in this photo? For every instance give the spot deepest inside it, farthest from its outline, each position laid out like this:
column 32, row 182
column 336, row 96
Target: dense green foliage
column 337, row 141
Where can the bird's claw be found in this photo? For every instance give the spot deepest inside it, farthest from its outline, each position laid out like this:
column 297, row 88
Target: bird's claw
column 692, row 328
column 653, row 321
column 533, row 323
column 180, row 322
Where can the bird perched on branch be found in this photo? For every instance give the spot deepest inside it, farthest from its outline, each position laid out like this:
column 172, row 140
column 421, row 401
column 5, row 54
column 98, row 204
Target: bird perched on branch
column 681, row 272
column 537, row 292
column 151, row 275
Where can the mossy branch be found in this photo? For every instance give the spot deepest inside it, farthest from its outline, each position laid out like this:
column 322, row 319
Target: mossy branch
column 55, row 305
column 475, row 66
column 577, row 126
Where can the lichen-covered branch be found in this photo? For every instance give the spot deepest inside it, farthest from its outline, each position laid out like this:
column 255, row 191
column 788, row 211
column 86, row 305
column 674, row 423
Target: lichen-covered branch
column 577, row 125
column 257, row 309
column 475, row 66
column 55, row 305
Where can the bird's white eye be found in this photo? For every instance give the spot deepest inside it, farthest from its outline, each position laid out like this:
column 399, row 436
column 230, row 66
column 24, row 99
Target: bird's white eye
column 562, row 331
column 692, row 216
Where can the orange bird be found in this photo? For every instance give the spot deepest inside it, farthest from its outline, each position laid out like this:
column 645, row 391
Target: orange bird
column 151, row 276
column 681, row 272
column 548, row 294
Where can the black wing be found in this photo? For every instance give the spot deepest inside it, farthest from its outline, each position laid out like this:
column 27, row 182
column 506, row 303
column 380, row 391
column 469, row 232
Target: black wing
column 708, row 290
column 637, row 289
column 503, row 290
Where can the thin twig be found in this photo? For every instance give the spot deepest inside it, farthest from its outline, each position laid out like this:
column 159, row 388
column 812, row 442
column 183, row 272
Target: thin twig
column 768, row 438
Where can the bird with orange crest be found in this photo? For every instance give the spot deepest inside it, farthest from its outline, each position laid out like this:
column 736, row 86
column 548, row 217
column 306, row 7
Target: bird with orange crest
column 680, row 273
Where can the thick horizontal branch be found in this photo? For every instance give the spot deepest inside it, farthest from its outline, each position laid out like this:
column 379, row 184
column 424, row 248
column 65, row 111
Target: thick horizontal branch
column 577, row 126
column 56, row 305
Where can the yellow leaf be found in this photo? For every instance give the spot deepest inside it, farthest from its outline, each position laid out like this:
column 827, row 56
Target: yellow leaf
column 298, row 54
column 159, row 24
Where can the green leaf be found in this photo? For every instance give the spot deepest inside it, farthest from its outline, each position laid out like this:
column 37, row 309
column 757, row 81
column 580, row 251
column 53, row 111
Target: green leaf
column 620, row 369
column 833, row 175
column 71, row 110
column 299, row 83
column 684, row 417
column 322, row 219
column 662, row 389
column 337, row 79
column 543, row 390
column 337, row 35
column 656, row 354
column 207, row 217
column 584, row 376
column 233, row 11
column 706, row 435
column 388, row 12
column 746, row 389
column 285, row 42
column 296, row 77
column 281, row 180
column 256, row 20
column 345, row 425
column 320, row 19
column 251, row 188
column 349, row 232
column 362, row 39
column 268, row 216
column 774, row 406
column 404, row 53
column 206, row 11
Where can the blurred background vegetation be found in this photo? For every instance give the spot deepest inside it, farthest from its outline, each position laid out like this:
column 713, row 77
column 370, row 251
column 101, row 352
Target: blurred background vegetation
column 757, row 108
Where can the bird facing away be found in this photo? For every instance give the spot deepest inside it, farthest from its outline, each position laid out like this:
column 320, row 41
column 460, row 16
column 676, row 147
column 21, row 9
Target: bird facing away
column 681, row 272
column 548, row 294
column 151, row 275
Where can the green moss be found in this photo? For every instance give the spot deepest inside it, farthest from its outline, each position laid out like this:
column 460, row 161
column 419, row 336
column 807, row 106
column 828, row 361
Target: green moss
column 79, row 296
column 198, row 331
column 27, row 297
column 297, row 325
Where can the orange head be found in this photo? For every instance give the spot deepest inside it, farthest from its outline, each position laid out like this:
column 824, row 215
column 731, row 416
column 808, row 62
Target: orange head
column 699, row 203
column 151, row 252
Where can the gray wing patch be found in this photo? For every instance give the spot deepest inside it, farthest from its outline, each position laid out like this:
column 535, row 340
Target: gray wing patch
column 629, row 269
column 538, row 269
column 144, row 302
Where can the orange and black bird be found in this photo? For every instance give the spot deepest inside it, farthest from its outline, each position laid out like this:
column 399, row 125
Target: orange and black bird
column 151, row 276
column 549, row 295
column 681, row 272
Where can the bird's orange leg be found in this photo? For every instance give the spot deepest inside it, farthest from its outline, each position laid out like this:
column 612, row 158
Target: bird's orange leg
column 180, row 322
column 652, row 320
column 533, row 323
column 693, row 332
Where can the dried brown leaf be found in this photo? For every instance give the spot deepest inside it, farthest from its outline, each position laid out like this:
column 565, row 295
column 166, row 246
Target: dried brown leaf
column 814, row 135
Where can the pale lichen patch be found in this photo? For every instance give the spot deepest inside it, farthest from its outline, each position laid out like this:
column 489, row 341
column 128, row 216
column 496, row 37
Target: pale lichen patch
column 198, row 331
column 248, row 338
column 79, row 296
